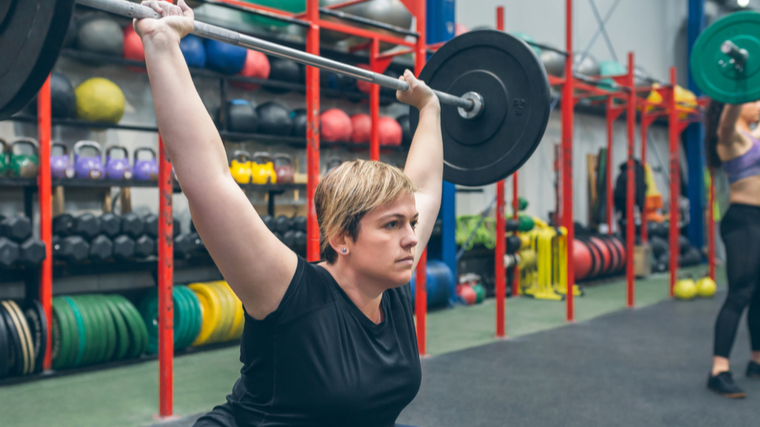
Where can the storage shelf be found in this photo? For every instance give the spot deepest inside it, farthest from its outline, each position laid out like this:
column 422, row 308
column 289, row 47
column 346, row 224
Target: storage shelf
column 108, row 183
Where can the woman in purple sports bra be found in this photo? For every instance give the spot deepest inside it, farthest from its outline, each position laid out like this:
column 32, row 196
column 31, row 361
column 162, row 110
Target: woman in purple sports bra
column 731, row 143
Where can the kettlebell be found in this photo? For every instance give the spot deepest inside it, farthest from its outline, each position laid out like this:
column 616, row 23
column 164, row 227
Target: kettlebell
column 87, row 160
column 240, row 167
column 23, row 158
column 3, row 160
column 706, row 287
column 117, row 166
column 283, row 166
column 145, row 169
column 60, row 161
column 262, row 169
column 685, row 288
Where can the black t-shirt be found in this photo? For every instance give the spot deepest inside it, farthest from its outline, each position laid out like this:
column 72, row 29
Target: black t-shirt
column 319, row 361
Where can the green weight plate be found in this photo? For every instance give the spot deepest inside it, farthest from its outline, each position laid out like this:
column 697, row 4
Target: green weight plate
column 133, row 336
column 180, row 319
column 109, row 326
column 149, row 311
column 93, row 330
column 122, row 334
column 188, row 319
column 90, row 336
column 141, row 332
column 65, row 333
column 195, row 313
column 80, row 330
column 712, row 70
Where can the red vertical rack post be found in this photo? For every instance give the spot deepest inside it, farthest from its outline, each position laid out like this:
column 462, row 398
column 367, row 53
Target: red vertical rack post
column 515, row 210
column 165, row 285
column 646, row 120
column 44, row 192
column 374, row 102
column 630, row 233
column 500, row 275
column 312, row 132
column 417, row 9
column 568, row 102
column 711, row 227
column 675, row 178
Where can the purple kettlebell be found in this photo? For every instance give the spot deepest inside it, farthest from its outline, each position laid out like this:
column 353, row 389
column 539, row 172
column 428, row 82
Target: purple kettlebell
column 60, row 161
column 87, row 160
column 117, row 163
column 145, row 169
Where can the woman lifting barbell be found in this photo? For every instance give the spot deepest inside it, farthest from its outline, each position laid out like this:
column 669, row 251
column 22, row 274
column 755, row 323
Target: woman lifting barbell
column 730, row 142
column 324, row 344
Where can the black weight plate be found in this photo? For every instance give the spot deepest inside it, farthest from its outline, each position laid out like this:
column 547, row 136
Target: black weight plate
column 31, row 36
column 4, row 348
column 509, row 76
column 35, row 317
column 15, row 351
column 26, row 335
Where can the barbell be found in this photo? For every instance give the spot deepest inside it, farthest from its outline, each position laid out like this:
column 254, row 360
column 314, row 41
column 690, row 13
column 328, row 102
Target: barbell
column 725, row 60
column 493, row 88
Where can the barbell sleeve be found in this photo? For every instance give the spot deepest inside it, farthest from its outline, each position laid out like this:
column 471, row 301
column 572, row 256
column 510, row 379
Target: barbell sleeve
column 201, row 29
column 740, row 56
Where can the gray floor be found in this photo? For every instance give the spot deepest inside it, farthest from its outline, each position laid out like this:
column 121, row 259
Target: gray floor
column 643, row 367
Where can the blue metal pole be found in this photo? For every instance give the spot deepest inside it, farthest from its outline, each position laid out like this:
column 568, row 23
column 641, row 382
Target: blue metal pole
column 693, row 137
column 440, row 27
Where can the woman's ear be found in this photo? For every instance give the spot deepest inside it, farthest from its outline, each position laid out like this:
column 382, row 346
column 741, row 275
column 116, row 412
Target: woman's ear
column 339, row 244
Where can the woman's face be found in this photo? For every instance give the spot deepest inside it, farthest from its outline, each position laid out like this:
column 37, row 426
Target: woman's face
column 751, row 112
column 385, row 245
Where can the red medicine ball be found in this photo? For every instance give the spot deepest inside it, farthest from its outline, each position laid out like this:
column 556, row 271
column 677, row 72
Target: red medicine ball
column 581, row 260
column 362, row 128
column 390, row 131
column 335, row 125
column 256, row 66
column 363, row 86
column 133, row 48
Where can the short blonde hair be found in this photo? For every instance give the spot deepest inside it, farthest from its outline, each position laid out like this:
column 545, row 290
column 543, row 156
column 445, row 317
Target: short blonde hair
column 347, row 192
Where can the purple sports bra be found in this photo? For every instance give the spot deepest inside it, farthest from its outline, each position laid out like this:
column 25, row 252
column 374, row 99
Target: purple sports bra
column 746, row 165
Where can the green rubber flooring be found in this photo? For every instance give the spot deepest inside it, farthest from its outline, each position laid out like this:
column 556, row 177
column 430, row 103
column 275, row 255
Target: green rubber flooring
column 128, row 396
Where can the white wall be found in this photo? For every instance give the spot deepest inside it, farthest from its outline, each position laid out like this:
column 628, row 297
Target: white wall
column 649, row 28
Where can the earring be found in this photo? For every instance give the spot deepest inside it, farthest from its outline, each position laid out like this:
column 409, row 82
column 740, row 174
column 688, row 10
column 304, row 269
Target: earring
column 344, row 250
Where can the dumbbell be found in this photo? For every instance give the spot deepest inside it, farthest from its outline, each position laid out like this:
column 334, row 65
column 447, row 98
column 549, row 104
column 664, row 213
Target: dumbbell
column 17, row 227
column 132, row 225
column 86, row 225
column 289, row 239
column 32, row 252
column 123, row 247
column 72, row 249
column 186, row 244
column 110, row 224
column 9, row 252
column 282, row 224
column 512, row 225
column 101, row 248
column 145, row 246
column 63, row 225
column 513, row 244
column 299, row 239
column 299, row 223
column 151, row 226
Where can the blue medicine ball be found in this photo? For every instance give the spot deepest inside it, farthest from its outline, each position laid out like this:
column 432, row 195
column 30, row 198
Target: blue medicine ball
column 193, row 50
column 225, row 58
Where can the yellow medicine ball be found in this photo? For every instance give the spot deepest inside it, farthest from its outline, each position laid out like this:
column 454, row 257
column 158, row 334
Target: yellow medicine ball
column 99, row 100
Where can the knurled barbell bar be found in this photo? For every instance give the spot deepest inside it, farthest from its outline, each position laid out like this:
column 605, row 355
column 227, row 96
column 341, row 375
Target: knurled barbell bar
column 493, row 88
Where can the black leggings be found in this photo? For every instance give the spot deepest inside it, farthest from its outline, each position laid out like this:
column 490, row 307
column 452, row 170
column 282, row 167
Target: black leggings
column 740, row 229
